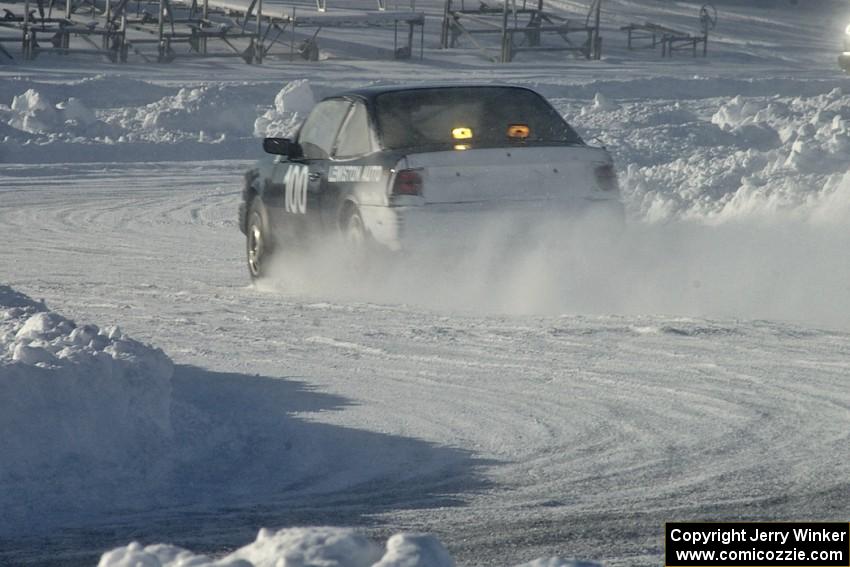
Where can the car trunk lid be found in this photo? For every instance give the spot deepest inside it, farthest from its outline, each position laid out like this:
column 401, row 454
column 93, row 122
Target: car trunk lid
column 512, row 174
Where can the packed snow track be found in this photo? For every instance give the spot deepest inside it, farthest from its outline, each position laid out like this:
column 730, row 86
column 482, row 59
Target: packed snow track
column 509, row 437
column 563, row 401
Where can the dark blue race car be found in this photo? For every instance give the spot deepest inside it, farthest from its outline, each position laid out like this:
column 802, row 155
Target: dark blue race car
column 390, row 167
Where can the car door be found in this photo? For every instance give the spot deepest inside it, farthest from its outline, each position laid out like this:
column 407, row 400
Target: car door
column 355, row 171
column 304, row 179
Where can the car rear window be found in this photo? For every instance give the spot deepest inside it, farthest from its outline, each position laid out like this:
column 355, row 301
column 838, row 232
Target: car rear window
column 469, row 116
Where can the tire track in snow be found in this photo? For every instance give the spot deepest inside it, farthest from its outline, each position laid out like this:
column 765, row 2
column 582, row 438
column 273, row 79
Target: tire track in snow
column 592, row 425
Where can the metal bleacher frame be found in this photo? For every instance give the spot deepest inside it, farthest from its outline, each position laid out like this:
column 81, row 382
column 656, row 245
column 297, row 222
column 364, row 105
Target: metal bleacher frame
column 165, row 24
column 672, row 40
column 505, row 22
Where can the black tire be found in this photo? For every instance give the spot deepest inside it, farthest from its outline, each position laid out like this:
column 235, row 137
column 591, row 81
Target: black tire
column 259, row 240
column 356, row 241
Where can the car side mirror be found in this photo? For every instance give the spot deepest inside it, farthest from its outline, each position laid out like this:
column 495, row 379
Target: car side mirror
column 282, row 147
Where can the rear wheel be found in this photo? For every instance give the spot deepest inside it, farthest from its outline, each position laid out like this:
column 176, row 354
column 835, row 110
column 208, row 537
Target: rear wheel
column 259, row 242
column 355, row 240
column 354, row 230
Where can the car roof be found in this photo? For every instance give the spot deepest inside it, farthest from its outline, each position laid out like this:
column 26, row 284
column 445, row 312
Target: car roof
column 369, row 94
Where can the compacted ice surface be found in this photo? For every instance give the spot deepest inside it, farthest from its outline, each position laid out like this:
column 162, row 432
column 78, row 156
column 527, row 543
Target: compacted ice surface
column 545, row 404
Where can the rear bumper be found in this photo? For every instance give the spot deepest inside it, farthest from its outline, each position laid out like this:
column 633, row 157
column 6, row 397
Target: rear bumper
column 464, row 225
column 844, row 61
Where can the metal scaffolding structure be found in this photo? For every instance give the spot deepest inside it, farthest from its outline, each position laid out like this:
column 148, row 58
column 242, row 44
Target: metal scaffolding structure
column 520, row 28
column 116, row 28
column 649, row 35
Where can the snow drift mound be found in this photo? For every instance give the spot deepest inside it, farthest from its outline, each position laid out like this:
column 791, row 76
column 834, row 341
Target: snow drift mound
column 297, row 547
column 182, row 122
column 77, row 404
column 32, row 116
column 205, row 113
column 291, row 106
column 714, row 160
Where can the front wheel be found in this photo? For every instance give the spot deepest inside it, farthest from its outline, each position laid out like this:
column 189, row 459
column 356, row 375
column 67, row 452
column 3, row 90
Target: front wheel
column 259, row 242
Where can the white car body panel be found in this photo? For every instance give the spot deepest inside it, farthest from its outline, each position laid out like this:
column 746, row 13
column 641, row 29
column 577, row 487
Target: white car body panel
column 510, row 174
column 470, row 190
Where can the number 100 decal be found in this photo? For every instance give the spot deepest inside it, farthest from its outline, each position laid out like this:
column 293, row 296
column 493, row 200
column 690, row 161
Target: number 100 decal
column 295, row 182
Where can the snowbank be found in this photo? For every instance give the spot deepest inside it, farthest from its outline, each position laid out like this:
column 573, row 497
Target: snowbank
column 208, row 113
column 302, row 547
column 291, row 106
column 42, row 124
column 768, row 158
column 77, row 404
column 31, row 112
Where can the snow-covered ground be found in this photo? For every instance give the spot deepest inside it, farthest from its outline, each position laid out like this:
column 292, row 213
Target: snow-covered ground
column 695, row 366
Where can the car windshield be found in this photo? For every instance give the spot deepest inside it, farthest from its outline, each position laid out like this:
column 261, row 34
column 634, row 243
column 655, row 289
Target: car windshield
column 469, row 116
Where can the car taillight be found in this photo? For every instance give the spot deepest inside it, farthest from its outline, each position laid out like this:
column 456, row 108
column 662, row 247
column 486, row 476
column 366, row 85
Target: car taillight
column 606, row 177
column 407, row 182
